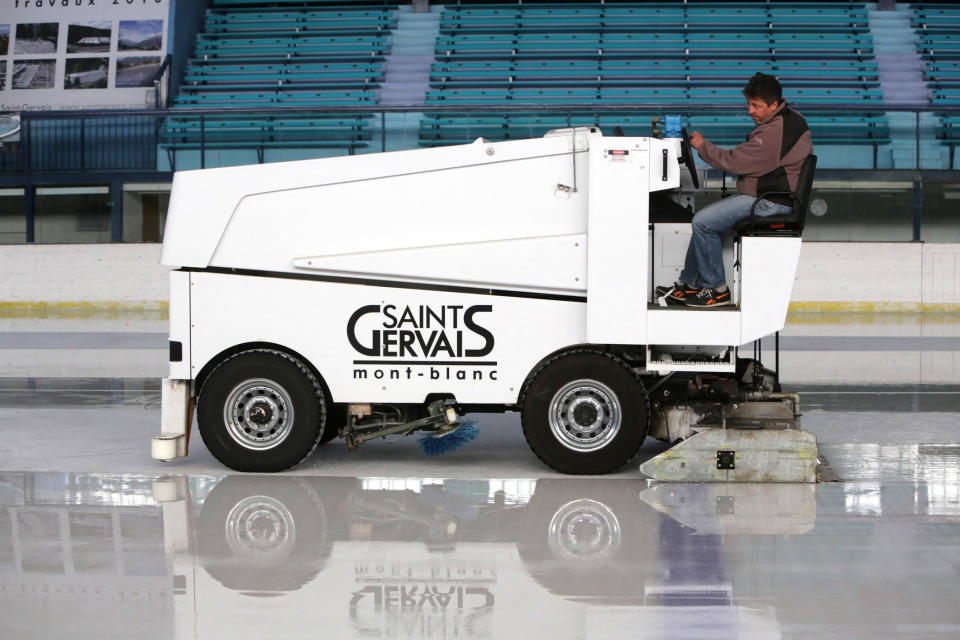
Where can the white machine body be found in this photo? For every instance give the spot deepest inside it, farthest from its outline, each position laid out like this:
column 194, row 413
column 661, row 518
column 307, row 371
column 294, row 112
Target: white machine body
column 452, row 270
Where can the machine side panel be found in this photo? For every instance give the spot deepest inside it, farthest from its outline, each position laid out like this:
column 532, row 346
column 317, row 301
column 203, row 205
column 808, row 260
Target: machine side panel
column 556, row 263
column 180, row 323
column 617, row 246
column 200, row 206
column 769, row 270
column 664, row 171
column 504, row 200
column 691, row 327
column 204, row 202
column 386, row 344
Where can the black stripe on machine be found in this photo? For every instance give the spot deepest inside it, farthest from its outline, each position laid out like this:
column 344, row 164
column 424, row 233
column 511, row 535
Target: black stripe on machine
column 395, row 284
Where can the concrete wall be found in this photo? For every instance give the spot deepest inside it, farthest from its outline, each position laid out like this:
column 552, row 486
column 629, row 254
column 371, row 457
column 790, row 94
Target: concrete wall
column 82, row 275
column 877, row 276
column 833, row 276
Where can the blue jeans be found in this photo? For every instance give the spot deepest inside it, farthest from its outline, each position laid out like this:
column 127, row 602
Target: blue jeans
column 704, row 264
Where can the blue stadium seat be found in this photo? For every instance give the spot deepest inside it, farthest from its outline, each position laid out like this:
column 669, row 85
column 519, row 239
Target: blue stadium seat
column 264, row 55
column 654, row 53
column 938, row 41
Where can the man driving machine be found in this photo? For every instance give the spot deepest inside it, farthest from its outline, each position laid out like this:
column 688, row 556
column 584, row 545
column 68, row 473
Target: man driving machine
column 769, row 160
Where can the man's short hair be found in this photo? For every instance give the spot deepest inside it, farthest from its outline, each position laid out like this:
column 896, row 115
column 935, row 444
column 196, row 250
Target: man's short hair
column 764, row 87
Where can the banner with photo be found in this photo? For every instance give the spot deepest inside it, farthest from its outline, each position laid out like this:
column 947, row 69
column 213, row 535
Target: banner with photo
column 80, row 54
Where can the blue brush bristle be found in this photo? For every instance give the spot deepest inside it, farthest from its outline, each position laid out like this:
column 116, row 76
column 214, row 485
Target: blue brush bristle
column 434, row 446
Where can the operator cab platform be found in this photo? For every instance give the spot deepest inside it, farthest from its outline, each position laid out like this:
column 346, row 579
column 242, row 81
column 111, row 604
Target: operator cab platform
column 671, row 211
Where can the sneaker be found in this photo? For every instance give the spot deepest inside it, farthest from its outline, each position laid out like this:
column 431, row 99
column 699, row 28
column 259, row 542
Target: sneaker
column 679, row 291
column 708, row 298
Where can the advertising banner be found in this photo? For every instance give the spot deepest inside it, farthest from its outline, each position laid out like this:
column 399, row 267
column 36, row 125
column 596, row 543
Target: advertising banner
column 80, row 54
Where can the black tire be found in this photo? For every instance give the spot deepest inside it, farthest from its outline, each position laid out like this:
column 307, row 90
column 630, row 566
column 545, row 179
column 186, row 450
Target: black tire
column 585, row 412
column 262, row 411
column 336, row 418
column 263, row 535
column 327, row 436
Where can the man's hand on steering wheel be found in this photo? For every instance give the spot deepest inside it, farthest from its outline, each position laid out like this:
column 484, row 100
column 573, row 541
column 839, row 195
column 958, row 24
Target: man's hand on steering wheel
column 696, row 139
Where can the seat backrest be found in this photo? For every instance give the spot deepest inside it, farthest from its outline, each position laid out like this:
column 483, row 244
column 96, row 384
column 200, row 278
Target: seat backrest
column 804, row 187
column 785, row 223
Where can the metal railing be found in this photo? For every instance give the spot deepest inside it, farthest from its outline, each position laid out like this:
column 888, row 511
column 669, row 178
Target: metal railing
column 83, row 142
column 912, row 199
column 136, row 140
column 160, row 81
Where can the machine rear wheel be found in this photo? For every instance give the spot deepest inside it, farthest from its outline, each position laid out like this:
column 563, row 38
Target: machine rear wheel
column 333, row 422
column 262, row 411
column 585, row 412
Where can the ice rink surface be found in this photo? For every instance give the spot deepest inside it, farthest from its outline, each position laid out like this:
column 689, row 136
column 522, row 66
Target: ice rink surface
column 97, row 540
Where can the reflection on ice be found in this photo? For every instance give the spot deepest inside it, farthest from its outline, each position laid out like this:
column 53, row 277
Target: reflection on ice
column 477, row 558
column 863, row 498
column 92, row 489
column 737, row 509
column 254, row 556
column 686, row 623
column 933, row 468
column 937, row 465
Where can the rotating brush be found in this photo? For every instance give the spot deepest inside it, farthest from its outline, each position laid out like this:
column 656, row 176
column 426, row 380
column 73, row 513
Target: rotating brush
column 434, row 445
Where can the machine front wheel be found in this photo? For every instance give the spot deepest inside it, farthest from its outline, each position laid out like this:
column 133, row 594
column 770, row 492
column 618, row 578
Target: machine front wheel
column 261, row 411
column 585, row 412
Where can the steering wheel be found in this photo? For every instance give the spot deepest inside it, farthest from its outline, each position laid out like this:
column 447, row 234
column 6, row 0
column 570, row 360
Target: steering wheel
column 686, row 156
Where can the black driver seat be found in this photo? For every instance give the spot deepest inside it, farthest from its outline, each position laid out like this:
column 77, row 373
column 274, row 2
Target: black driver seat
column 787, row 224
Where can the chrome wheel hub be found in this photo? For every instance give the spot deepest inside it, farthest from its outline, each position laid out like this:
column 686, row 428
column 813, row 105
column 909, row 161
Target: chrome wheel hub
column 585, row 415
column 258, row 414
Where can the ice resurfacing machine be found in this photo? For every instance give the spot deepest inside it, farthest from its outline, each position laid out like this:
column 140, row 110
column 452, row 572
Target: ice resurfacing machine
column 391, row 293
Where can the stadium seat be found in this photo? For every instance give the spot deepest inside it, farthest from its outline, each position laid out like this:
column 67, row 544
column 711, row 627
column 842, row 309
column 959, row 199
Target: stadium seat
column 694, row 54
column 263, row 56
